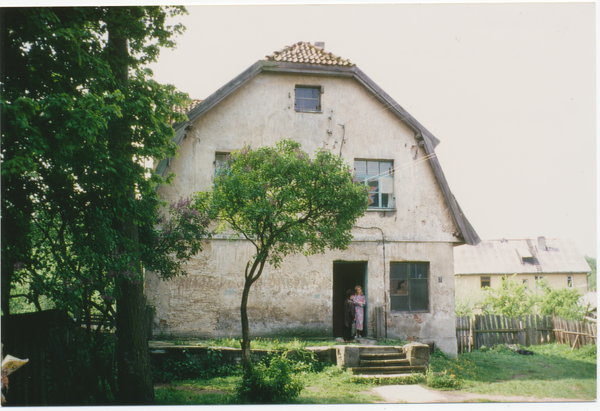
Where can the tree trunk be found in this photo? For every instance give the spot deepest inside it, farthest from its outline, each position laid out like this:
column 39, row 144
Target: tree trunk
column 246, row 360
column 134, row 376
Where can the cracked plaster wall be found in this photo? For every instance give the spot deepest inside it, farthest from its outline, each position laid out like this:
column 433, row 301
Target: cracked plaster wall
column 296, row 298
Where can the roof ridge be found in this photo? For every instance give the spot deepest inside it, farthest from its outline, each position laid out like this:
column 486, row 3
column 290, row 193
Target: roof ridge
column 304, row 52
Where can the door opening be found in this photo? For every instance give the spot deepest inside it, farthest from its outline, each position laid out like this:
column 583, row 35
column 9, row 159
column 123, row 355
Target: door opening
column 347, row 275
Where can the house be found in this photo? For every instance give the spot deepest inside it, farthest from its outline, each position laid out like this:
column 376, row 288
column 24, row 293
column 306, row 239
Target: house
column 484, row 265
column 402, row 252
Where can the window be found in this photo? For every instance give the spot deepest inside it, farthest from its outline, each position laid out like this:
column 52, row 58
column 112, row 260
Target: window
column 308, row 98
column 486, row 282
column 379, row 177
column 528, row 260
column 409, row 290
column 221, row 163
column 525, row 282
column 570, row 281
column 538, row 279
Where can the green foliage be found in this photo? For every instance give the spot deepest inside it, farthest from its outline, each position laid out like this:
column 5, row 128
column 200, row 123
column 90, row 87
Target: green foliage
column 512, row 298
column 194, row 367
column 447, row 372
column 561, row 302
column 592, row 275
column 271, row 381
column 284, row 202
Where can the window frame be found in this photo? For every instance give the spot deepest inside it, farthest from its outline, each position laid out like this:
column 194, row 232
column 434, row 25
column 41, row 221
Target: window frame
column 381, row 177
column 485, row 278
column 319, row 107
column 216, row 162
column 412, row 292
column 570, row 281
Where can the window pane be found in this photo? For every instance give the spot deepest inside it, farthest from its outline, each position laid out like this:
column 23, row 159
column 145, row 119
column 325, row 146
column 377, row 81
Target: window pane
column 302, row 92
column 360, row 167
column 372, row 168
column 385, row 168
column 399, row 271
column 373, row 193
column 419, row 300
column 418, row 271
column 399, row 303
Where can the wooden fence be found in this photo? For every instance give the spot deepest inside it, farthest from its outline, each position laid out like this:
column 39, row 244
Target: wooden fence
column 491, row 330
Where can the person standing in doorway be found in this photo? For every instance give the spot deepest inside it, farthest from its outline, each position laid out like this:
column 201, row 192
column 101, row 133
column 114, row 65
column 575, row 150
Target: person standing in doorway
column 359, row 309
column 349, row 312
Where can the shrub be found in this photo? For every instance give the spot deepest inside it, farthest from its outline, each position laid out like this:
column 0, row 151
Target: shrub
column 190, row 367
column 271, row 381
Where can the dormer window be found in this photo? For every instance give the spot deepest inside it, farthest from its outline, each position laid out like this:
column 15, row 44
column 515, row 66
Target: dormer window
column 308, row 98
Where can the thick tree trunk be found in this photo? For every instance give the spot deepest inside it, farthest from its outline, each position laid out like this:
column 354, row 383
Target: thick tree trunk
column 134, row 376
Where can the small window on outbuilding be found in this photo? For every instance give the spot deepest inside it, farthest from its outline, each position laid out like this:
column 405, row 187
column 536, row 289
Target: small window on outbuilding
column 570, row 281
column 308, row 98
column 486, row 282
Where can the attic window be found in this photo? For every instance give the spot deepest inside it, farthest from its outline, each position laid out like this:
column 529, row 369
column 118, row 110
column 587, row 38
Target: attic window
column 528, row 260
column 308, row 98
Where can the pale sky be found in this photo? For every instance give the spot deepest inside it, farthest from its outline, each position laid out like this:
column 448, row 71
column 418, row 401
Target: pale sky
column 509, row 89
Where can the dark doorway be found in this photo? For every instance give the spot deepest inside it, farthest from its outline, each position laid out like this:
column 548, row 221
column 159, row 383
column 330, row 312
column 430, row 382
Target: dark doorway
column 346, row 275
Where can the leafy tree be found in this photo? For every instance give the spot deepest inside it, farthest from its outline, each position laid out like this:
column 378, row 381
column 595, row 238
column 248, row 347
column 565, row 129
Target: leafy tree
column 592, row 275
column 284, row 202
column 560, row 302
column 80, row 115
column 512, row 298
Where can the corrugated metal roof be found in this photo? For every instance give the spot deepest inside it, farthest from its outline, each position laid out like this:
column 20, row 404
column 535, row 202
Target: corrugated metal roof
column 506, row 257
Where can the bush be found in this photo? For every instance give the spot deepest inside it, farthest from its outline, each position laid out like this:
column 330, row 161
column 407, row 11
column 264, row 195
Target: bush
column 194, row 367
column 271, row 381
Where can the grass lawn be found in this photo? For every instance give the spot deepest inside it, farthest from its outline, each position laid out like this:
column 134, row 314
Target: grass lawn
column 553, row 371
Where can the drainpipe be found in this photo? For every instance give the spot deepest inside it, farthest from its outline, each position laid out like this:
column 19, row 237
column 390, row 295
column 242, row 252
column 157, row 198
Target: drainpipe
column 385, row 304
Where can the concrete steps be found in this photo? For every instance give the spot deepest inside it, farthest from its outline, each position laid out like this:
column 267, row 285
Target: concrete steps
column 382, row 360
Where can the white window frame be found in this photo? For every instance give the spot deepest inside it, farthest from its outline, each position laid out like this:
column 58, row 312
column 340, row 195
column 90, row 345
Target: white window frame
column 378, row 175
column 569, row 281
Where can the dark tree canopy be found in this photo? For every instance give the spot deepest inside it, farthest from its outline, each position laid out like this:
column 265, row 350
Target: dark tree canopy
column 81, row 117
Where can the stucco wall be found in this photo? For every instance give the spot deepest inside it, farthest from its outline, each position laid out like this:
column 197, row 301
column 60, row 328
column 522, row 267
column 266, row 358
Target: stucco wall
column 470, row 285
column 296, row 298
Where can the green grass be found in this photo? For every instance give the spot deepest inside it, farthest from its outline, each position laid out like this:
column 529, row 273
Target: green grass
column 260, row 343
column 553, row 371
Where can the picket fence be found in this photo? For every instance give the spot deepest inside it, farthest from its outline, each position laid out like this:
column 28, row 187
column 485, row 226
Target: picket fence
column 489, row 330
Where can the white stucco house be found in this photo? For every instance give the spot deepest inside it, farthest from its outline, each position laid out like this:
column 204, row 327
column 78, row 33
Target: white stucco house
column 402, row 252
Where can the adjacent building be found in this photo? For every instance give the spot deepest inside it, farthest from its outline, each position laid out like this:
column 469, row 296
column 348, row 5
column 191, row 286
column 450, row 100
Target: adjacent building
column 558, row 261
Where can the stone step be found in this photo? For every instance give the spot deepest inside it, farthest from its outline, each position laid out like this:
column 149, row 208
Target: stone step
column 384, row 363
column 389, row 370
column 383, row 356
column 381, row 350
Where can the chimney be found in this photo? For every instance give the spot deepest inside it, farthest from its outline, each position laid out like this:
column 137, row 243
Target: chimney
column 542, row 244
column 320, row 44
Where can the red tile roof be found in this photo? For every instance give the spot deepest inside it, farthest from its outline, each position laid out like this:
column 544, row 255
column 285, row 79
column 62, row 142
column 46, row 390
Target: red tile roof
column 186, row 109
column 306, row 53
